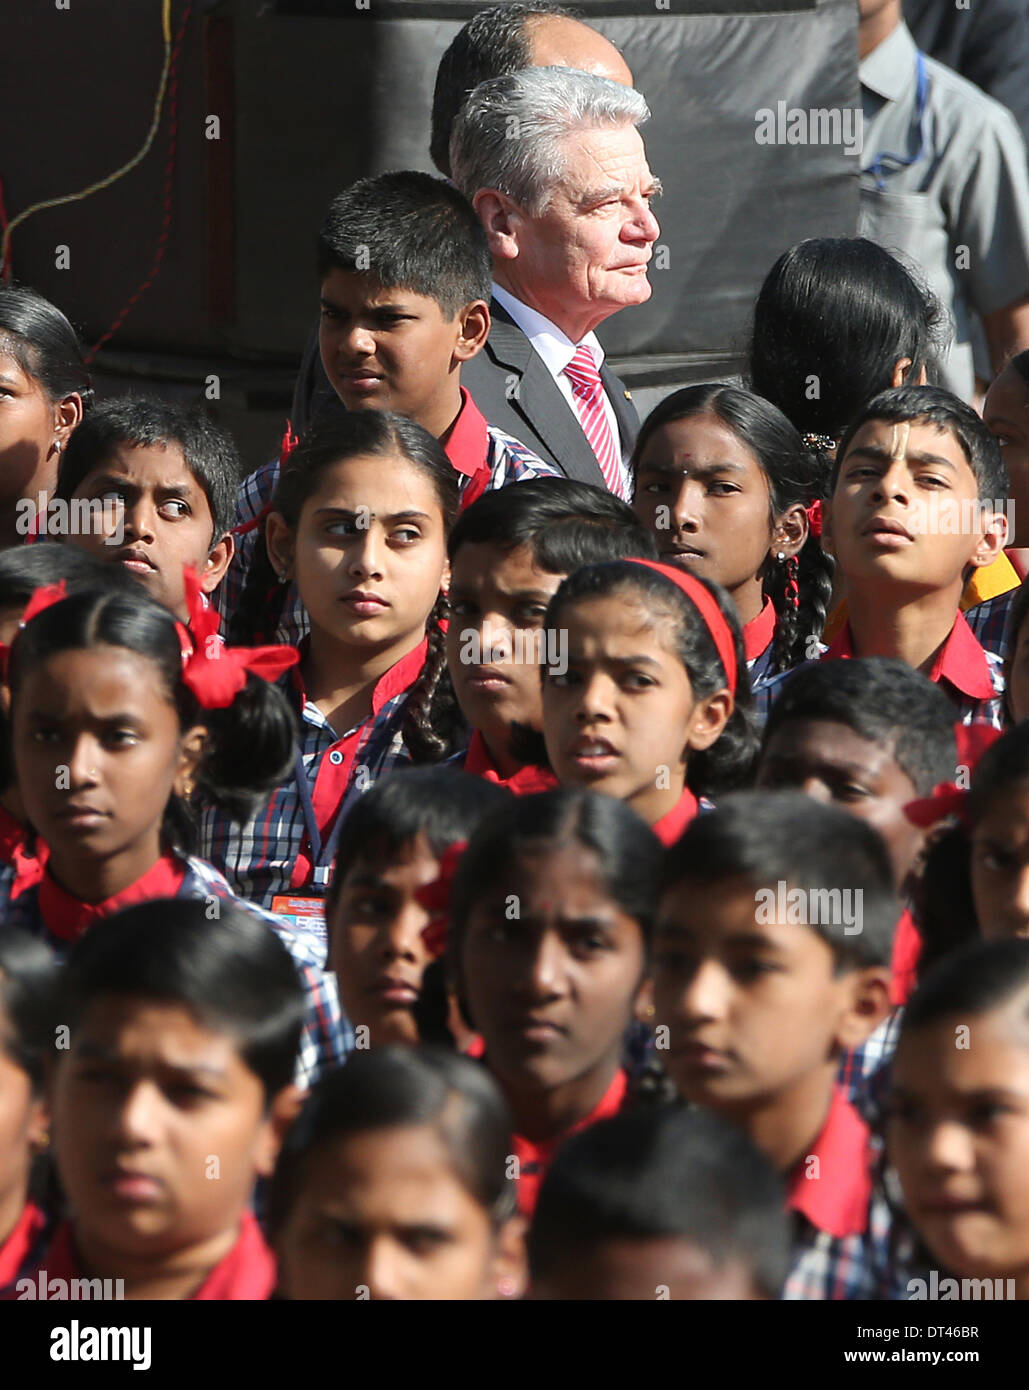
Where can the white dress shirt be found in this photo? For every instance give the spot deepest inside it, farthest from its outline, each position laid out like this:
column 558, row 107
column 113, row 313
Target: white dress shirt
column 557, row 350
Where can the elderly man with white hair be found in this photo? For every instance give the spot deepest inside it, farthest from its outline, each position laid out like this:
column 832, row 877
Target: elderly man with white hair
column 556, row 168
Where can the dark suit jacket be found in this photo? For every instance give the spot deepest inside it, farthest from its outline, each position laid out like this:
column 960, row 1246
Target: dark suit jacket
column 511, row 385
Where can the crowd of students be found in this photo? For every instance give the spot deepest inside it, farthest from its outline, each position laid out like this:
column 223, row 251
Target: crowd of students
column 426, row 876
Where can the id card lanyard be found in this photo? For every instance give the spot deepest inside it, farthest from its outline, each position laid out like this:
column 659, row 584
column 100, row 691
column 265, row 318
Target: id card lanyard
column 887, row 163
column 323, row 852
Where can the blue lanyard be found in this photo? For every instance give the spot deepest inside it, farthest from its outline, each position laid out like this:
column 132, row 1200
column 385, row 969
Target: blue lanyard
column 878, row 168
column 323, row 853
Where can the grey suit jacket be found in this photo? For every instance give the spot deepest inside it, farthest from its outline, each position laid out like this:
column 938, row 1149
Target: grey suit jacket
column 512, row 386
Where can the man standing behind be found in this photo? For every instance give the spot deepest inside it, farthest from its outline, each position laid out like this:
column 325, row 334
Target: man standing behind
column 944, row 180
column 556, row 169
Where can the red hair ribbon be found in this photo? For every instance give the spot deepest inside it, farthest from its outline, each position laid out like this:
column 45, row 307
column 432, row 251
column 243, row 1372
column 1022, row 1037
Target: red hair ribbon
column 289, row 443
column 814, row 517
column 214, row 672
column 947, row 799
column 435, row 898
column 714, row 619
column 44, row 597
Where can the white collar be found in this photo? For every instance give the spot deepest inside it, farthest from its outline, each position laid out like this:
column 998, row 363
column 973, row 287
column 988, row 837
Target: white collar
column 555, row 347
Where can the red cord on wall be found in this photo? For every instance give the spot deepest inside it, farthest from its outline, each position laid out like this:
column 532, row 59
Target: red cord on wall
column 169, row 171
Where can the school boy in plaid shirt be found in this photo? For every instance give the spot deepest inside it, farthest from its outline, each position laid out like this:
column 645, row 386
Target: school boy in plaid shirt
column 761, row 995
column 405, row 275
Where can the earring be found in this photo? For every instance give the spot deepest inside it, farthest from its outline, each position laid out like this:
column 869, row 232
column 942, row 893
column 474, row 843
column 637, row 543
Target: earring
column 792, row 587
column 781, row 556
column 57, row 446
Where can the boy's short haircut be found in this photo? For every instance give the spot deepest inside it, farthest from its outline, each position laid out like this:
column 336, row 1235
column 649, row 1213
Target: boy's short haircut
column 443, row 804
column 971, row 982
column 564, row 523
column 932, row 405
column 409, row 231
column 784, row 837
column 142, row 422
column 231, row 972
column 28, row 981
column 655, row 1173
column 884, row 701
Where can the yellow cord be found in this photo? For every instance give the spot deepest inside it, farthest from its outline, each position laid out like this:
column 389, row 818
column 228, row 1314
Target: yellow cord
column 118, row 173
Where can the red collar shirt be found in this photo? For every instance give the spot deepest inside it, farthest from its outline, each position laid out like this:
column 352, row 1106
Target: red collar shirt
column 20, row 1253
column 534, row 1158
column 759, row 643
column 485, row 457
column 271, row 854
column 843, row 1237
column 245, row 1274
column 971, row 677
column 477, row 760
column 674, row 822
column 45, row 910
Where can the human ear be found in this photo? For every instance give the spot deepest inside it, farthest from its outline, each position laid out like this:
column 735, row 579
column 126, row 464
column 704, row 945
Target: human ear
column 866, row 1003
column 67, row 416
column 991, row 542
column 217, row 563
column 509, row 1268
column 474, row 330
column 282, row 1112
column 498, row 215
column 191, row 750
column 708, row 719
column 901, row 368
column 279, row 542
column 791, row 531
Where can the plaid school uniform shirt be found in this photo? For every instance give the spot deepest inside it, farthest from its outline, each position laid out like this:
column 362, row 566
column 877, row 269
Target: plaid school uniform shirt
column 989, row 622
column 844, row 1244
column 273, row 853
column 485, row 457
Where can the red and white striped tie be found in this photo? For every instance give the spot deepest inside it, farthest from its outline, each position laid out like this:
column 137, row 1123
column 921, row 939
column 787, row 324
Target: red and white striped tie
column 588, row 394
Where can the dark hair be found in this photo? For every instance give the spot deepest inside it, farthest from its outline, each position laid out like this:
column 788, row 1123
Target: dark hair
column 441, row 803
column 251, row 743
column 563, row 523
column 493, row 43
column 934, row 406
column 43, row 343
column 390, row 1087
column 729, row 761
column 26, row 568
column 231, row 972
column 1020, row 362
column 660, row 1173
column 627, row 850
column 1017, row 614
column 411, row 231
column 431, row 719
column 984, row 976
column 947, row 907
column 795, row 475
column 767, row 838
column 832, row 319
column 885, row 702
column 209, row 452
column 28, row 1017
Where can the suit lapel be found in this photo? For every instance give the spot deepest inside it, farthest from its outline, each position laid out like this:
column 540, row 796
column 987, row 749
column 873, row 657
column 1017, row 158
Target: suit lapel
column 625, row 412
column 539, row 401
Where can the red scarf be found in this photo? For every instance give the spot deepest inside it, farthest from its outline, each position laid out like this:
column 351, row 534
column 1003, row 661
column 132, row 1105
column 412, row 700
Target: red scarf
column 68, row 917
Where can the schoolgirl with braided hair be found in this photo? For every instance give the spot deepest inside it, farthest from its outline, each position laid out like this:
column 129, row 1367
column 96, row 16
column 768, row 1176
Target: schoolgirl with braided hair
column 732, row 494
column 359, row 521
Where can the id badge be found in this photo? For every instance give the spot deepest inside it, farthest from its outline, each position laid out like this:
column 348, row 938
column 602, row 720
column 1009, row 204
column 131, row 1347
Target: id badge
column 306, row 915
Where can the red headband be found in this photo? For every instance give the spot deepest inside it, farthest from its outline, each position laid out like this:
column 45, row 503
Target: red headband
column 214, row 672
column 947, row 799
column 814, row 517
column 714, row 618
